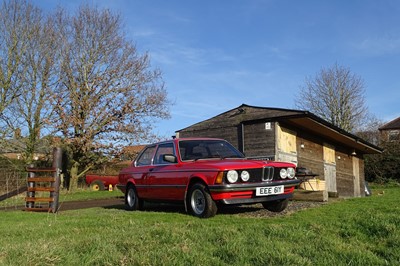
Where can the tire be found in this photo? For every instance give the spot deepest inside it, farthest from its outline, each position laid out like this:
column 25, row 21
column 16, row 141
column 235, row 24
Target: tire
column 132, row 201
column 97, row 185
column 276, row 206
column 199, row 202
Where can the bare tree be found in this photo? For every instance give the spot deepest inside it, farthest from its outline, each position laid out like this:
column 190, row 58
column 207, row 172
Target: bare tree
column 33, row 109
column 336, row 95
column 369, row 131
column 25, row 73
column 15, row 20
column 109, row 94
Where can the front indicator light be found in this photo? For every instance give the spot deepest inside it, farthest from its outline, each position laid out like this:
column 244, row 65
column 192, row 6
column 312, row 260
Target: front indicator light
column 232, row 176
column 220, row 178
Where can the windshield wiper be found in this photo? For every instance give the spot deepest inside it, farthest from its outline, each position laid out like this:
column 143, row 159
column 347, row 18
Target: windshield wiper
column 230, row 156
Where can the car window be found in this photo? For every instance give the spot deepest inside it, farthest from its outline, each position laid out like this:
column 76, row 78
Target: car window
column 167, row 148
column 146, row 156
column 206, row 149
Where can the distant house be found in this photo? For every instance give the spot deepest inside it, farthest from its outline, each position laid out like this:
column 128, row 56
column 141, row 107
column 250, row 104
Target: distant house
column 129, row 153
column 391, row 130
column 16, row 148
column 295, row 136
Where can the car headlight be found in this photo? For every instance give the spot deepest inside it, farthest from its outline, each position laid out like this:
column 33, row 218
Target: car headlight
column 232, row 176
column 283, row 173
column 291, row 172
column 245, row 176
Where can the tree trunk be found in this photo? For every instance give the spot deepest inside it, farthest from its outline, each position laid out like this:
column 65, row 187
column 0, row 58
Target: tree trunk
column 73, row 183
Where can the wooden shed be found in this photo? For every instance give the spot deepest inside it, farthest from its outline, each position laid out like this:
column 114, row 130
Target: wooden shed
column 296, row 136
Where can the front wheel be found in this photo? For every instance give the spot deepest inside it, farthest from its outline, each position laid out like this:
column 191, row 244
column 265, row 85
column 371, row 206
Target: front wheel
column 276, row 205
column 200, row 203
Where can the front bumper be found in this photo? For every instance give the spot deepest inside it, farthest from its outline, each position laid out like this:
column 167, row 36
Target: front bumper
column 246, row 193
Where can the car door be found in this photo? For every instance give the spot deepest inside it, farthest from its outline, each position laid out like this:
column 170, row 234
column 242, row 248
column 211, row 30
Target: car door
column 165, row 181
column 140, row 172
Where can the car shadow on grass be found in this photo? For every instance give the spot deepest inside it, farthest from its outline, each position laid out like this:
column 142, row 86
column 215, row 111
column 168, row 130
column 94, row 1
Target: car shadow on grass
column 254, row 210
column 180, row 208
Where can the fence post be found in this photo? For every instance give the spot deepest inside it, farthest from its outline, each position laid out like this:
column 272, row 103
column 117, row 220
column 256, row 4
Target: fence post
column 57, row 165
column 31, row 194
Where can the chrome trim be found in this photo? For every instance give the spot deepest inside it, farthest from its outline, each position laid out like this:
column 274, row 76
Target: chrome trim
column 160, row 186
column 256, row 200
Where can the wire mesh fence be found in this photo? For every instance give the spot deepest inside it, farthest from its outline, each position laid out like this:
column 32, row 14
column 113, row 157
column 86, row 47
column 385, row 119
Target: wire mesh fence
column 12, row 185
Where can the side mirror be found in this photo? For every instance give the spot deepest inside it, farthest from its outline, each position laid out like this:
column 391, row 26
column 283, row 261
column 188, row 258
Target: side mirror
column 170, row 158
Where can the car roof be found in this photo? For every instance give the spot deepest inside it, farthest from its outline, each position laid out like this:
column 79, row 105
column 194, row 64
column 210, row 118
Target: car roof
column 180, row 139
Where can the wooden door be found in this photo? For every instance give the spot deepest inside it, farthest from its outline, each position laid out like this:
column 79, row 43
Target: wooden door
column 286, row 148
column 329, row 167
column 356, row 176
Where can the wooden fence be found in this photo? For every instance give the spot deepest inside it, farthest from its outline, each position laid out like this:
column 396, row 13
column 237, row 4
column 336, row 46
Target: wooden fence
column 41, row 184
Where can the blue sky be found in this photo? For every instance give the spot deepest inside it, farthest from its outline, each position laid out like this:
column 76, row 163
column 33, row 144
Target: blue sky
column 216, row 55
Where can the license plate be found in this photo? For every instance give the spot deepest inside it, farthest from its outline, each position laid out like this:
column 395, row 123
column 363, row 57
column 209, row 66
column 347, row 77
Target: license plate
column 266, row 191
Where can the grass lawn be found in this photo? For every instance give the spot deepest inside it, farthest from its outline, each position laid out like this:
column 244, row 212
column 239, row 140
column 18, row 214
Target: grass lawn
column 362, row 231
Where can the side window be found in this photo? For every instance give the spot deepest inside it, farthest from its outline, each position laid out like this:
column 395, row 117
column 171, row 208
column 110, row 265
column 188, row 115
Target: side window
column 394, row 135
column 167, row 148
column 146, row 156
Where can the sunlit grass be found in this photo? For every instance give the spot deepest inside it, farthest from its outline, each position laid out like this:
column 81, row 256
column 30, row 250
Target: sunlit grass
column 361, row 231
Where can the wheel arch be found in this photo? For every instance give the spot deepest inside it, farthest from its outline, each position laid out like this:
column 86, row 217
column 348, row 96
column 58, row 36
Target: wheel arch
column 130, row 182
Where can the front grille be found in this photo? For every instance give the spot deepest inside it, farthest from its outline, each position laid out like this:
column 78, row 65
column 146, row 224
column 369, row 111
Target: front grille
column 268, row 174
column 255, row 174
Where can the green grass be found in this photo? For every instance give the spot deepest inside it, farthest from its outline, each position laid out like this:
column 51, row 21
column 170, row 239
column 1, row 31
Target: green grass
column 362, row 231
column 87, row 194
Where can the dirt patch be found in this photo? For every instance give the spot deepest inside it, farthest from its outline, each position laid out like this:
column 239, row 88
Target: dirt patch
column 117, row 203
column 257, row 210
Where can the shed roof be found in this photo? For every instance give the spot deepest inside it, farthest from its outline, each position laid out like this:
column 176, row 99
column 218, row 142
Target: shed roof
column 394, row 124
column 246, row 114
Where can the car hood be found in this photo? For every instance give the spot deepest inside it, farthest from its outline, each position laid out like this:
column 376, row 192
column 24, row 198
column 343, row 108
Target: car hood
column 225, row 164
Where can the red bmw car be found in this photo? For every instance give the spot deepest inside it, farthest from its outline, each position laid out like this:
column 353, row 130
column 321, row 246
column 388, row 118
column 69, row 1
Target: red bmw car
column 203, row 173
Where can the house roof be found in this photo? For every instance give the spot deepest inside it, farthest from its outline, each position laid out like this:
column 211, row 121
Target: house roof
column 394, row 124
column 133, row 149
column 301, row 119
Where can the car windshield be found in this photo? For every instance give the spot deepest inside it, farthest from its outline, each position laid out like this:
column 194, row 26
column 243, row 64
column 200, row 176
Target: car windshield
column 206, row 149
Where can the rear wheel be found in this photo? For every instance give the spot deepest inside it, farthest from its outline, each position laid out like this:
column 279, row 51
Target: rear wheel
column 97, row 185
column 276, row 206
column 199, row 202
column 132, row 200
